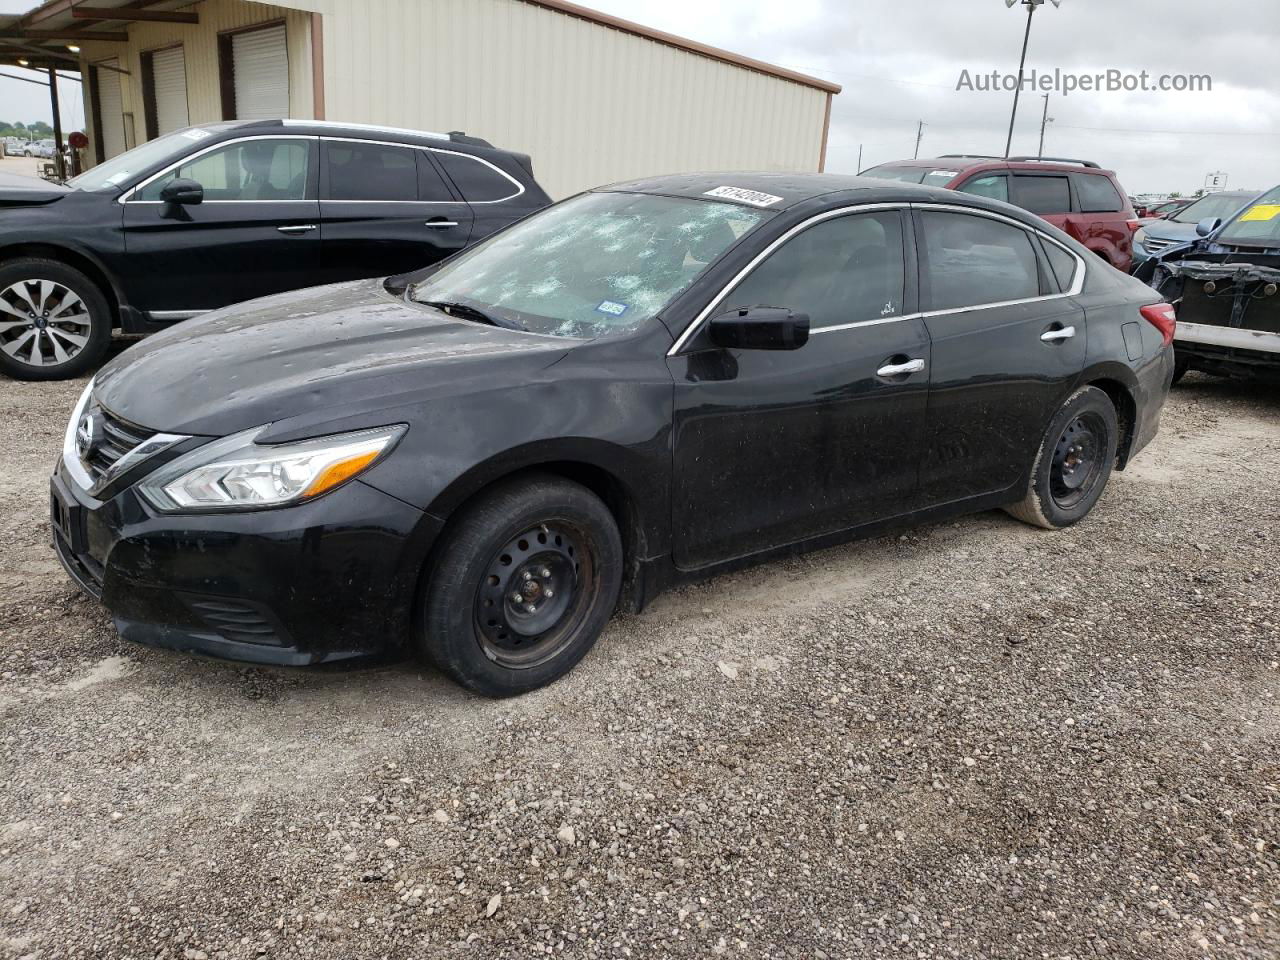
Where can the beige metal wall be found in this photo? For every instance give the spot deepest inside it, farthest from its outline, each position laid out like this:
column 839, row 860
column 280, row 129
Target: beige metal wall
column 200, row 46
column 590, row 103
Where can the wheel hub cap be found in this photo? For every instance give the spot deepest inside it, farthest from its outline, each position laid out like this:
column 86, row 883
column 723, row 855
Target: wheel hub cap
column 42, row 322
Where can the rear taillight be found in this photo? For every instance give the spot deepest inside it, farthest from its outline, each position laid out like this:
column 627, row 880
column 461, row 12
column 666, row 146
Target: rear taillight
column 1163, row 318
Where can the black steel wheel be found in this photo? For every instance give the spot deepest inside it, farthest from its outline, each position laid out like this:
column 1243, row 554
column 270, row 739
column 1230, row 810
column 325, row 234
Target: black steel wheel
column 533, row 595
column 524, row 581
column 1073, row 463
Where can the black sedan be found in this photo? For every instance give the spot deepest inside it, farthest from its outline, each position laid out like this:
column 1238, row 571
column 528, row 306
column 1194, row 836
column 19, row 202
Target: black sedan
column 643, row 384
column 213, row 215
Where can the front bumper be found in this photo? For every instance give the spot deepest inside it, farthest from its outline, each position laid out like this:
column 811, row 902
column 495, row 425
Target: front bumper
column 327, row 580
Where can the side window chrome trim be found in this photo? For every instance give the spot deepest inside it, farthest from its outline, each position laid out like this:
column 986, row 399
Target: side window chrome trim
column 417, row 146
column 755, row 261
column 126, row 197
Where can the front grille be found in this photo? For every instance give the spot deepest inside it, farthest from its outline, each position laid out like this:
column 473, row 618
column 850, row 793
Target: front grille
column 1157, row 244
column 236, row 620
column 118, row 438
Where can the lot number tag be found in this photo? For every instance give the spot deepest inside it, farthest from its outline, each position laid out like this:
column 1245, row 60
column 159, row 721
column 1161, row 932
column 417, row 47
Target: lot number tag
column 753, row 197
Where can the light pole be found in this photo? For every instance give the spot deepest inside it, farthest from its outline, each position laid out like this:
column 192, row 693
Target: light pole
column 1045, row 120
column 1026, row 38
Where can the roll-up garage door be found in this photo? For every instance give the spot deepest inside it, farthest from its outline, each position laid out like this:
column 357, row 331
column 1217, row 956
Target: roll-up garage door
column 260, row 69
column 169, row 74
column 110, row 110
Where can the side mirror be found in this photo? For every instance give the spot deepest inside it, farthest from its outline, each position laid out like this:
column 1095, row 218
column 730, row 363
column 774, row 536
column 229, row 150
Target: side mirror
column 760, row 328
column 182, row 191
column 1207, row 226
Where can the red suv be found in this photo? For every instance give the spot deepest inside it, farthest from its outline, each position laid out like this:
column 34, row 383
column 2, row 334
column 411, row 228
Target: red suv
column 1077, row 196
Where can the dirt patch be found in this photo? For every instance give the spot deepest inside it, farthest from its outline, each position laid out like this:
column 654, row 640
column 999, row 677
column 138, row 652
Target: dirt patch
column 975, row 739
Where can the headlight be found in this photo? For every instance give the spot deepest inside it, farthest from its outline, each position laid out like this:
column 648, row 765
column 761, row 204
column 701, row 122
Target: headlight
column 237, row 474
column 69, row 455
column 1140, row 238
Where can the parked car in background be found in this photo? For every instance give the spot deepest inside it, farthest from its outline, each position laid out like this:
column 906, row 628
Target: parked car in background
column 1156, row 236
column 1226, row 285
column 213, row 215
column 641, row 385
column 1077, row 196
column 1158, row 209
column 43, row 149
column 15, row 146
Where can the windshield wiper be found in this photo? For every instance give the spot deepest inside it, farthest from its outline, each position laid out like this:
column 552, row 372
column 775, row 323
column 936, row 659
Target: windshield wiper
column 457, row 309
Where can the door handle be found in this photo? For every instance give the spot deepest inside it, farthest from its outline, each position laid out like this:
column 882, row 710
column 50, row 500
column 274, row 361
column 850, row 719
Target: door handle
column 297, row 228
column 1053, row 336
column 440, row 224
column 898, row 369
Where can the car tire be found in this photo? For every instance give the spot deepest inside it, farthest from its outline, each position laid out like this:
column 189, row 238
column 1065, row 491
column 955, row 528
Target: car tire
column 525, row 581
column 1073, row 463
column 75, row 320
column 1181, row 364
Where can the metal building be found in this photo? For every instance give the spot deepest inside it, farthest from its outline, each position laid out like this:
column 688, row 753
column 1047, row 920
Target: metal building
column 591, row 97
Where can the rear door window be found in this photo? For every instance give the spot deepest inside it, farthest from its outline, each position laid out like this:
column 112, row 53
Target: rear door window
column 1041, row 194
column 1097, row 194
column 994, row 186
column 845, row 270
column 477, row 181
column 369, row 171
column 973, row 260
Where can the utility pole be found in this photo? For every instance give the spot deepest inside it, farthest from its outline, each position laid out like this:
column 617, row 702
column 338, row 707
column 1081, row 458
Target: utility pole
column 59, row 162
column 859, row 167
column 1044, row 122
column 920, row 136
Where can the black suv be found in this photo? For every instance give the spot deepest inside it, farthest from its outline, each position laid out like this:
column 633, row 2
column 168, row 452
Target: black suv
column 217, row 214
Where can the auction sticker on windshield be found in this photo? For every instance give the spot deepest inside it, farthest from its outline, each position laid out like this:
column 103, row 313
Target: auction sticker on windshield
column 1262, row 213
column 753, row 197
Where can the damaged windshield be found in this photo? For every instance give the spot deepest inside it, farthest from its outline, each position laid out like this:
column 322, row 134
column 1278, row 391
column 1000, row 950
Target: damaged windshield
column 599, row 264
column 1258, row 225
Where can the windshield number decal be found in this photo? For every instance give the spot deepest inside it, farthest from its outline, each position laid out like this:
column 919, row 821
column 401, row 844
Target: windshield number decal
column 612, row 308
column 753, row 197
column 195, row 134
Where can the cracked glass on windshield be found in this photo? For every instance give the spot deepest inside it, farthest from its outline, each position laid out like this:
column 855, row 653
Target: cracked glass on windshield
column 599, row 264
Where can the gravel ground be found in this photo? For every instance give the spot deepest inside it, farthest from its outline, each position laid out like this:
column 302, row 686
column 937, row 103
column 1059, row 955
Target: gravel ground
column 975, row 740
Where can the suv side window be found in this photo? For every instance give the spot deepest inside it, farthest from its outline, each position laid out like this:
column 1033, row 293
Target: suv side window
column 369, row 171
column 478, row 182
column 845, row 270
column 1097, row 194
column 259, row 169
column 1041, row 194
column 971, row 260
column 994, row 185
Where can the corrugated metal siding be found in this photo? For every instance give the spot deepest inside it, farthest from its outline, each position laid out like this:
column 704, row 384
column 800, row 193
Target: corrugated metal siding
column 200, row 48
column 590, row 103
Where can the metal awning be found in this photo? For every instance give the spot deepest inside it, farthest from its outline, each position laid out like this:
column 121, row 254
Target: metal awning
column 41, row 36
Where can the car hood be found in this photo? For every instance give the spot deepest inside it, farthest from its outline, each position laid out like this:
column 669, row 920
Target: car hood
column 19, row 191
column 1169, row 230
column 320, row 354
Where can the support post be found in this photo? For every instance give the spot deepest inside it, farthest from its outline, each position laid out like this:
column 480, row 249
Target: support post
column 1026, row 39
column 59, row 161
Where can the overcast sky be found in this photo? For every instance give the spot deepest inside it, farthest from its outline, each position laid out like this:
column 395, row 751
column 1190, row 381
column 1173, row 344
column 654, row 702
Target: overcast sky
column 899, row 61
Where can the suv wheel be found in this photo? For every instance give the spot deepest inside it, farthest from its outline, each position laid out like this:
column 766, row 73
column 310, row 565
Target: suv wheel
column 1073, row 463
column 526, row 580
column 54, row 321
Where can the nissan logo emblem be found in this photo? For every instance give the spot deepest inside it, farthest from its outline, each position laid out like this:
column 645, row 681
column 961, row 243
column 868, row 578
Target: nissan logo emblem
column 84, row 436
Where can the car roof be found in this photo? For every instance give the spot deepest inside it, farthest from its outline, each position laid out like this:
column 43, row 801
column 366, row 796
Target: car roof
column 962, row 163
column 792, row 189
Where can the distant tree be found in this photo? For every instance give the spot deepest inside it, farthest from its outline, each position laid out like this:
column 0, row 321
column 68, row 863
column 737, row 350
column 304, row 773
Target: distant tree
column 40, row 129
column 19, row 126
column 1199, row 193
column 1175, row 195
